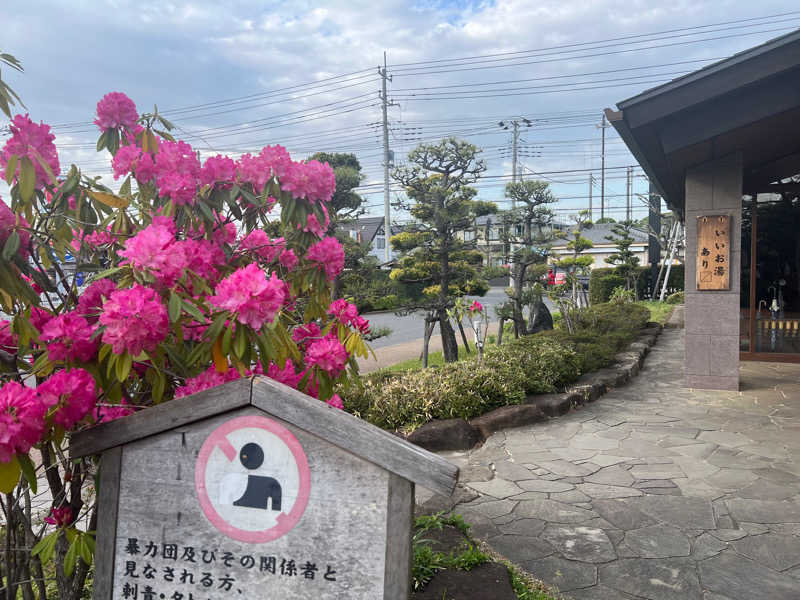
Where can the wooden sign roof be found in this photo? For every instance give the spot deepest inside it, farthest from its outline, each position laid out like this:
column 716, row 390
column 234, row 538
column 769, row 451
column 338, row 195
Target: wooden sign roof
column 335, row 426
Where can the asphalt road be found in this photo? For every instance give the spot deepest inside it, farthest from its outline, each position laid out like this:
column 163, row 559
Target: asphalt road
column 411, row 327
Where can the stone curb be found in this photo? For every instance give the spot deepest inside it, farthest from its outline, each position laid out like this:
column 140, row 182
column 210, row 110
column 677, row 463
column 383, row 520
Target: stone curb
column 458, row 434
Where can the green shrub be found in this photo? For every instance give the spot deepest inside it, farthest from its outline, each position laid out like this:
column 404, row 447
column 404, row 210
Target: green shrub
column 614, row 317
column 533, row 364
column 675, row 298
column 387, row 302
column 622, row 296
column 601, row 287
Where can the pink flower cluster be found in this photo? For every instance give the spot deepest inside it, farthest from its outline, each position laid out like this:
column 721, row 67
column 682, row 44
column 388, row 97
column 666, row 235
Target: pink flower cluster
column 207, row 379
column 21, row 419
column 328, row 256
column 115, row 109
column 156, row 250
column 304, row 334
column 110, row 412
column 91, row 300
column 135, row 319
column 347, row 314
column 475, row 307
column 260, row 244
column 71, row 393
column 328, row 354
column 259, row 169
column 312, row 180
column 68, row 337
column 252, row 297
column 130, row 159
column 29, row 139
column 177, row 172
column 60, row 517
column 217, row 168
column 8, row 339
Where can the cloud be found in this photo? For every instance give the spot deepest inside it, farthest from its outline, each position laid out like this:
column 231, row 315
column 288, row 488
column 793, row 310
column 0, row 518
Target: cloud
column 181, row 54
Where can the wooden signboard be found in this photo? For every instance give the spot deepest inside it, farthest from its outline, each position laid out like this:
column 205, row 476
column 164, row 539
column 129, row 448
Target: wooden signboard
column 714, row 252
column 253, row 490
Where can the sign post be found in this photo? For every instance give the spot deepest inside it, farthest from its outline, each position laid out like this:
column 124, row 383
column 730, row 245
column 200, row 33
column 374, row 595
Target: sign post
column 253, row 490
column 713, row 252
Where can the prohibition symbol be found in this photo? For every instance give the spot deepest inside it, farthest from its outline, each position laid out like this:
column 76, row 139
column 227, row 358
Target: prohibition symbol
column 252, row 479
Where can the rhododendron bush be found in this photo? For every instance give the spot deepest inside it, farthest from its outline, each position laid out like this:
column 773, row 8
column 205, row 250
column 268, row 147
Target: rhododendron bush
column 116, row 300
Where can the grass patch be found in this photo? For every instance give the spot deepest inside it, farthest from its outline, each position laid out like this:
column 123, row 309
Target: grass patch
column 435, row 359
column 659, row 311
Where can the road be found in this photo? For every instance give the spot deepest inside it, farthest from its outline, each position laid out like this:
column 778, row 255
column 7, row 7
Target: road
column 411, row 328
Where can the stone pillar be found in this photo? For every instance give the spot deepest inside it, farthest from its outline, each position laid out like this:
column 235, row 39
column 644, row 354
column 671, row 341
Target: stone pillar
column 712, row 317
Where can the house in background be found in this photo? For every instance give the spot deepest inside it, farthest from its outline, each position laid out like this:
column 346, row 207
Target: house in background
column 494, row 241
column 602, row 248
column 371, row 232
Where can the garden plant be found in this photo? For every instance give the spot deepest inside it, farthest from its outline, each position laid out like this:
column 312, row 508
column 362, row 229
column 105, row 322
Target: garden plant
column 115, row 301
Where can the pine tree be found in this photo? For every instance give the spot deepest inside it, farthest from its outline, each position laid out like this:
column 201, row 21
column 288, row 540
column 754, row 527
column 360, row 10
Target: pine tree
column 437, row 183
column 624, row 258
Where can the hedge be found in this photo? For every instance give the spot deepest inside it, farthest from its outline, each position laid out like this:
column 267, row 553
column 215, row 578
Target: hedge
column 603, row 281
column 540, row 363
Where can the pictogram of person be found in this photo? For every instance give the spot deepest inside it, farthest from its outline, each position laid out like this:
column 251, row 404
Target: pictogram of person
column 260, row 490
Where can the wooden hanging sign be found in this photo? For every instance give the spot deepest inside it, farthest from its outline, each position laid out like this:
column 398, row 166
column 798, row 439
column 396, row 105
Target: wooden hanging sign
column 714, row 252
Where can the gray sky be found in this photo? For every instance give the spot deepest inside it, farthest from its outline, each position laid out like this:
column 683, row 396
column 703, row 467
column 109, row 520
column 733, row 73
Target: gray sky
column 228, row 65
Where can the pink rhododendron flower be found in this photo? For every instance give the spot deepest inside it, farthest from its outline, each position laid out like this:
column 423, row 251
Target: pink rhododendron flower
column 124, row 160
column 21, row 419
column 68, row 337
column 258, row 242
column 343, row 311
column 61, row 517
column 72, row 393
column 217, row 169
column 475, row 306
column 202, row 258
column 28, row 139
column 328, row 354
column 328, row 255
column 336, row 402
column 207, row 379
column 307, row 332
column 91, row 300
column 181, row 188
column 259, row 169
column 361, row 324
column 154, row 248
column 289, row 259
column 40, row 317
column 135, row 320
column 8, row 339
column 252, row 297
column 110, row 412
column 100, row 238
column 312, row 180
column 115, row 109
column 287, row 375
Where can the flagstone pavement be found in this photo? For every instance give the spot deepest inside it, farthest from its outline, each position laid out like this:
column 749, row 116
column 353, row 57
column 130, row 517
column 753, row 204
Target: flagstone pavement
column 653, row 492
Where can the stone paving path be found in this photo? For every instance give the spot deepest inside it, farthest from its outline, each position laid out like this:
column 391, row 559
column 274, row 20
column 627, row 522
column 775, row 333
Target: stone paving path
column 654, row 491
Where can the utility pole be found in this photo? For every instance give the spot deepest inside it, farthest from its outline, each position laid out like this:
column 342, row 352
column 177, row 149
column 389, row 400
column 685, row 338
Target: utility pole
column 602, row 127
column 514, row 147
column 591, row 183
column 385, row 104
column 629, row 173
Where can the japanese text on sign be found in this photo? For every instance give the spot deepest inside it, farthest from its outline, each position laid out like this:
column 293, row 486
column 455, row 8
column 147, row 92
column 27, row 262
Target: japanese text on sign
column 713, row 252
column 153, row 571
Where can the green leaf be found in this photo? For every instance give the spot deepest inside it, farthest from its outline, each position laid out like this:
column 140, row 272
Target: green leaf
column 9, row 475
column 27, row 179
column 101, row 141
column 28, row 470
column 71, row 559
column 11, row 246
column 124, row 364
column 193, row 311
column 84, row 548
column 46, row 547
column 11, row 168
column 240, row 342
column 226, row 341
column 212, row 333
column 174, row 307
